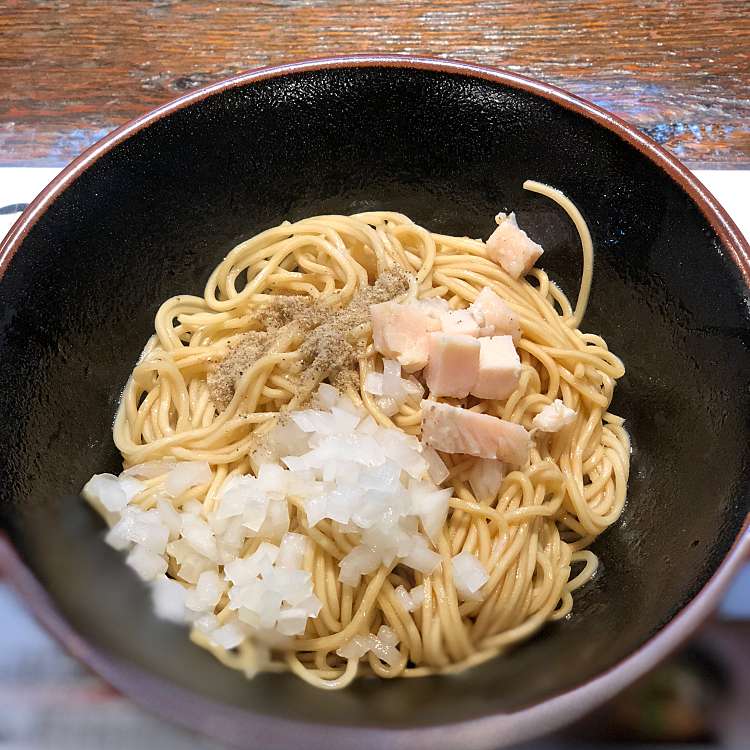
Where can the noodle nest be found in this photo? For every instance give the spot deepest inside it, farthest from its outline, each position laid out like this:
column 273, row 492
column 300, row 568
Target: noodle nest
column 533, row 537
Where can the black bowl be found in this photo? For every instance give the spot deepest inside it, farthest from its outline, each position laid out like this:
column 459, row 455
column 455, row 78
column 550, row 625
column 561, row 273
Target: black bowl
column 147, row 212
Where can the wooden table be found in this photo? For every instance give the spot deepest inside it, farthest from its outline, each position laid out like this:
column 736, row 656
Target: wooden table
column 72, row 71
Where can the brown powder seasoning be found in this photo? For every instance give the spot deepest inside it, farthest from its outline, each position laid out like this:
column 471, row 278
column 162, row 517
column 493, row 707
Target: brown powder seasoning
column 330, row 338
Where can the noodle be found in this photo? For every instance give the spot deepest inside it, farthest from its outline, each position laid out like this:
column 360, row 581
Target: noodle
column 532, row 538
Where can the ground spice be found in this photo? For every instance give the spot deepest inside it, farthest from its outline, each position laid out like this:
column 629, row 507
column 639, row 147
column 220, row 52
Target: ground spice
column 331, row 338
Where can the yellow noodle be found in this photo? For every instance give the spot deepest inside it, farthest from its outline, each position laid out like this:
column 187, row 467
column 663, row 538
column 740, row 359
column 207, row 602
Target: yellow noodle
column 532, row 537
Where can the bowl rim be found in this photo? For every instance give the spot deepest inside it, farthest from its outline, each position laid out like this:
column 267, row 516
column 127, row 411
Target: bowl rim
column 232, row 724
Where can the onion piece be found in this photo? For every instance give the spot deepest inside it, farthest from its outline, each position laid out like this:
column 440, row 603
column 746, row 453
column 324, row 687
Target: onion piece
column 417, row 595
column 168, row 598
column 360, row 561
column 355, row 648
column 404, row 598
column 436, row 468
column 228, row 636
column 422, row 558
column 106, row 489
column 147, row 564
column 187, row 474
column 485, row 478
column 292, row 550
column 469, row 575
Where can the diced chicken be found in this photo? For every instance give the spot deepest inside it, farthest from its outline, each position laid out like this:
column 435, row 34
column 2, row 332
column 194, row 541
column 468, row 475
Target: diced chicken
column 401, row 332
column 511, row 247
column 455, row 430
column 499, row 368
column 433, row 306
column 493, row 316
column 554, row 417
column 459, row 323
column 453, row 365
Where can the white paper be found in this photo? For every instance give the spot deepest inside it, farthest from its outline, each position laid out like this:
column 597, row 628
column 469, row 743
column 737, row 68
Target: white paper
column 731, row 187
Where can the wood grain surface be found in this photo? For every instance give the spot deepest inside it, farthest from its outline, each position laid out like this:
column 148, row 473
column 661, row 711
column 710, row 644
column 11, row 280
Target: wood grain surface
column 72, row 71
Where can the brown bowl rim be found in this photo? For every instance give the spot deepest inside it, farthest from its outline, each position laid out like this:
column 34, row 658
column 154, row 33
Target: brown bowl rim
column 239, row 726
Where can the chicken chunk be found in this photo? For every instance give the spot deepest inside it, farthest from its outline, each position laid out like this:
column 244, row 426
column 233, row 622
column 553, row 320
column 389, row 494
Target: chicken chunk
column 460, row 322
column 452, row 429
column 511, row 247
column 401, row 332
column 493, row 316
column 453, row 364
column 499, row 368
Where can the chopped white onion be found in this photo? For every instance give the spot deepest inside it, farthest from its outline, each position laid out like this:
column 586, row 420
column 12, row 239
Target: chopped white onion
column 106, row 489
column 119, row 535
column 355, row 648
column 168, row 597
column 404, row 598
column 374, row 383
column 292, row 550
column 485, row 478
column 436, row 468
column 206, row 623
column 368, row 426
column 413, row 387
column 146, row 563
column 422, row 558
column 344, row 421
column 244, row 496
column 404, row 450
column 327, row 395
column 292, row 621
column 374, row 483
column 192, row 566
column 199, row 536
column 388, row 405
column 417, row 595
column 277, row 520
column 187, row 474
column 392, row 379
column 228, row 636
column 315, row 509
column 360, row 561
column 309, row 420
column 431, row 506
column 272, row 480
column 131, row 487
column 387, row 636
column 207, row 592
column 169, row 517
column 247, row 569
column 194, row 507
column 390, row 389
column 311, row 604
column 384, row 646
column 469, row 575
column 142, row 527
column 554, row 417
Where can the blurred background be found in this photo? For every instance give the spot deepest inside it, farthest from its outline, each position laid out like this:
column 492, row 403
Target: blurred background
column 678, row 69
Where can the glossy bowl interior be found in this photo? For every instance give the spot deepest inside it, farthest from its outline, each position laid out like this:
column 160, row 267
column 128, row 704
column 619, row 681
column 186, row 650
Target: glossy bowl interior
column 149, row 212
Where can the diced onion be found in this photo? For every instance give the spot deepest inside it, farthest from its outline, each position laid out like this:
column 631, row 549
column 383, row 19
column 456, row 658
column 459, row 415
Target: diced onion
column 469, row 575
column 187, row 474
column 168, row 597
column 377, row 484
column 228, row 636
